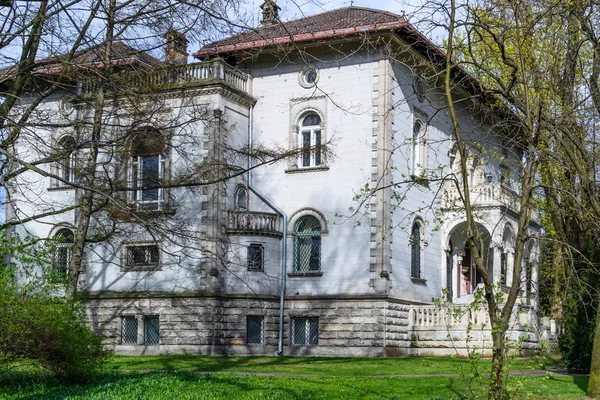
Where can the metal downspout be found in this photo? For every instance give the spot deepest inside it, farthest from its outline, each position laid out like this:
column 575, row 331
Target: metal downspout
column 284, row 228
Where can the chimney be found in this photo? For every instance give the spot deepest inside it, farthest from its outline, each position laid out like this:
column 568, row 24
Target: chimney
column 176, row 47
column 270, row 11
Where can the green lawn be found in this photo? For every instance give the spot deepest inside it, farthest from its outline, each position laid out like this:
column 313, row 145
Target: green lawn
column 329, row 366
column 328, row 381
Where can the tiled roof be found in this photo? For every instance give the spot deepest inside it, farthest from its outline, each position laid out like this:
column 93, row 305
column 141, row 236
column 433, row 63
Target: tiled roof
column 341, row 22
column 122, row 54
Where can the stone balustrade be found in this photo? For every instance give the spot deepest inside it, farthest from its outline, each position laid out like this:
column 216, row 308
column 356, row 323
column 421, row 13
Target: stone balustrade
column 208, row 72
column 254, row 223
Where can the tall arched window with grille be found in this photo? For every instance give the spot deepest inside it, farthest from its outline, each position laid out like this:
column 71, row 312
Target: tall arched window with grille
column 309, row 140
column 307, row 245
column 415, row 250
column 63, row 240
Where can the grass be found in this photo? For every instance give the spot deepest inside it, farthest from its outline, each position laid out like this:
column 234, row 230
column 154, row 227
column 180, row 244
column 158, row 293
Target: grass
column 329, row 366
column 334, row 378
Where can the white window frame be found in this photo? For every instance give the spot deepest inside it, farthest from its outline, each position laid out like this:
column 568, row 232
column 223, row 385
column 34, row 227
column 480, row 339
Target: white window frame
column 138, row 193
column 315, row 142
column 67, row 174
column 418, row 162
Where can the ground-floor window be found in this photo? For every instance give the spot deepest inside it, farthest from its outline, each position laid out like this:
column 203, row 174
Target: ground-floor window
column 129, row 330
column 254, row 330
column 305, row 331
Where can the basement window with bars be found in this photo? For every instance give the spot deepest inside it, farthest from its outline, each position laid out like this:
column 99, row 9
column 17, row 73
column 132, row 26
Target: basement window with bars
column 151, row 330
column 305, row 331
column 129, row 330
column 254, row 330
column 142, row 257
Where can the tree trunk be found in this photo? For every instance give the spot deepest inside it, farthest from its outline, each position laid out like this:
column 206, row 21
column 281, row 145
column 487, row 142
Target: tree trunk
column 496, row 390
column 593, row 389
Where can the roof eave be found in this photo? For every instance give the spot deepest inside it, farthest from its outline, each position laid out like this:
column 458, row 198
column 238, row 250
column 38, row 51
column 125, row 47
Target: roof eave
column 301, row 38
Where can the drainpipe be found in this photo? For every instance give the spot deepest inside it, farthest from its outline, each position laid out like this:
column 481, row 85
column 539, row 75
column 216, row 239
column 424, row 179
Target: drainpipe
column 284, row 227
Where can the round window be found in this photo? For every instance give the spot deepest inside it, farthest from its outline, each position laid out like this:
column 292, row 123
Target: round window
column 309, row 77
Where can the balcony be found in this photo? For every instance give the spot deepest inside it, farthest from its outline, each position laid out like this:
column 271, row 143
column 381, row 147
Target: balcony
column 176, row 76
column 488, row 195
column 254, row 223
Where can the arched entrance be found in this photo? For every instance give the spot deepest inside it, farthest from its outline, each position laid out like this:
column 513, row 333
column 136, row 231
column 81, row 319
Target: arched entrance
column 462, row 277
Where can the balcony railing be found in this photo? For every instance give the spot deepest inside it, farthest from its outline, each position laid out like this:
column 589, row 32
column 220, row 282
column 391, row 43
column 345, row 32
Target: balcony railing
column 254, row 223
column 488, row 195
column 208, row 72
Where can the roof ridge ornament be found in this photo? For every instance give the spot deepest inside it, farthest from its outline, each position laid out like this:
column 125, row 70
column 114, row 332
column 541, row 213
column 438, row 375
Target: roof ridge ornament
column 270, row 11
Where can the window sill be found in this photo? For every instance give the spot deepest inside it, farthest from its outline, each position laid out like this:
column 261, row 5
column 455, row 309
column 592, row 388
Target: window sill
column 141, row 268
column 301, row 170
column 60, row 188
column 419, row 281
column 304, row 274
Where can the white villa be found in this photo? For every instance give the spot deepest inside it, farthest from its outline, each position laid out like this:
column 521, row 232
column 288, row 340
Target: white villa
column 337, row 249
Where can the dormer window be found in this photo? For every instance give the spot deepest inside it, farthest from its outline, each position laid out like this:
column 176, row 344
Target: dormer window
column 310, row 140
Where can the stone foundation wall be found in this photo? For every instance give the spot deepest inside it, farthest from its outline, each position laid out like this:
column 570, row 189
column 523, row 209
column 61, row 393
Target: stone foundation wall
column 346, row 327
column 218, row 325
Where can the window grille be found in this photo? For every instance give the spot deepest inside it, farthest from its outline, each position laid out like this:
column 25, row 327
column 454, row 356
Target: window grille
column 307, row 245
column 142, row 256
column 415, row 254
column 255, row 257
column 64, row 240
column 305, row 331
column 151, row 330
column 67, row 164
column 129, row 329
column 254, row 330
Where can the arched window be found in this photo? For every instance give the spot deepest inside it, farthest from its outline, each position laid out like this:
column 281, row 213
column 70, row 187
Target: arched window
column 310, row 140
column 307, row 245
column 63, row 240
column 66, row 165
column 147, row 172
column 416, row 236
column 241, row 198
column 418, row 148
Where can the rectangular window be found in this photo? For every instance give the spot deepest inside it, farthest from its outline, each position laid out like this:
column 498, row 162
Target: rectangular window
column 151, row 330
column 305, row 331
column 142, row 256
column 147, row 175
column 254, row 330
column 255, row 257
column 129, row 329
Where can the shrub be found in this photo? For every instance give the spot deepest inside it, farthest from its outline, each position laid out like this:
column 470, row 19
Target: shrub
column 38, row 325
